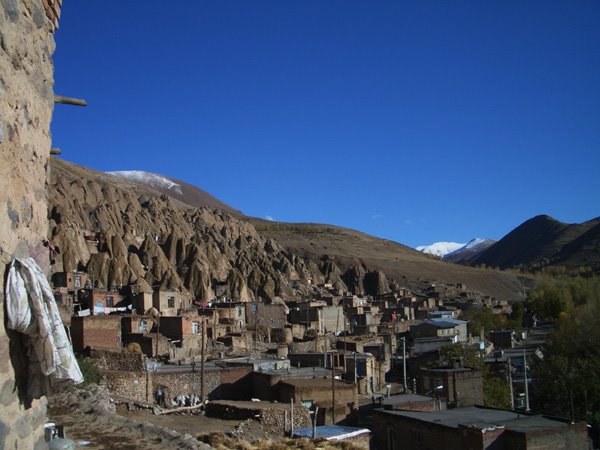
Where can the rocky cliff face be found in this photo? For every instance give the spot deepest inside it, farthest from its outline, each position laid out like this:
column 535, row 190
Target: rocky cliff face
column 124, row 235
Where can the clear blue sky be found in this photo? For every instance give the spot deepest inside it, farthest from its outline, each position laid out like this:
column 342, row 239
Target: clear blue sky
column 417, row 122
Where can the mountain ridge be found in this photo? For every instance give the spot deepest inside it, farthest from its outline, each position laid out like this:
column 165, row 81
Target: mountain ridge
column 544, row 240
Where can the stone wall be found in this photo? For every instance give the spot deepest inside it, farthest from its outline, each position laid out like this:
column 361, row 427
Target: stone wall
column 26, row 104
column 130, row 385
column 142, row 386
column 270, row 415
column 107, row 360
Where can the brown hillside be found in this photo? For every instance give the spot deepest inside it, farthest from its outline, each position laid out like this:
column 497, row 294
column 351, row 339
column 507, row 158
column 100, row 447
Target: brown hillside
column 409, row 266
column 148, row 237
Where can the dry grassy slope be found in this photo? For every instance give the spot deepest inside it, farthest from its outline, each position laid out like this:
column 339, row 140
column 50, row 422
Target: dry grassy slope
column 403, row 263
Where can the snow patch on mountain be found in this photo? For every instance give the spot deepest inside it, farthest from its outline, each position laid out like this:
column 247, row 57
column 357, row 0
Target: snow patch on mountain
column 440, row 248
column 474, row 243
column 148, row 178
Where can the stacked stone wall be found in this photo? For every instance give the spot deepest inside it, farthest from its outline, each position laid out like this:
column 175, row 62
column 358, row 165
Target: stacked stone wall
column 303, row 347
column 107, row 360
column 271, row 415
column 142, row 386
column 26, row 104
column 136, row 386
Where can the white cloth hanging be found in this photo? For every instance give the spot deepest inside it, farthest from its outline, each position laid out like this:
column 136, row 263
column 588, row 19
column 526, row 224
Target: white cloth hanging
column 31, row 310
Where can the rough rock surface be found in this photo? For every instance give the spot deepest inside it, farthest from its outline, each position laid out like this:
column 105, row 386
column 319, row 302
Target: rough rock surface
column 26, row 105
column 126, row 236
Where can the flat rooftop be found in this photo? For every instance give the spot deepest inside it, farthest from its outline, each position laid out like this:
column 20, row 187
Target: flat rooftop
column 331, row 432
column 479, row 417
column 406, row 399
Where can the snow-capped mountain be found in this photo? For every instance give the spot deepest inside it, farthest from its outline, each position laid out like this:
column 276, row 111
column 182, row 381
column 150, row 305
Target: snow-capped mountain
column 456, row 252
column 179, row 190
column 440, row 248
column 469, row 251
column 148, row 178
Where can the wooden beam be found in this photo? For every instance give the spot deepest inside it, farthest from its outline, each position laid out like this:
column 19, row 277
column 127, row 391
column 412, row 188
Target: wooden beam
column 69, row 101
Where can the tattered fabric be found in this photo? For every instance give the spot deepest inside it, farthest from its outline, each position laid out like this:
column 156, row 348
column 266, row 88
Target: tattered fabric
column 31, row 310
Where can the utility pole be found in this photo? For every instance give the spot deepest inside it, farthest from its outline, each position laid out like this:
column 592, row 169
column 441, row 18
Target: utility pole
column 404, row 362
column 292, row 417
column 202, row 362
column 526, row 383
column 512, row 394
column 332, row 390
column 355, row 369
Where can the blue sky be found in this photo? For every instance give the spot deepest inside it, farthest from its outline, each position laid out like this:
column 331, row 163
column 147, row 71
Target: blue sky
column 417, row 122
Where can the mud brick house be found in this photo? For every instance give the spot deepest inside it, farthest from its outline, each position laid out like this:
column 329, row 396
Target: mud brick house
column 137, row 324
column 98, row 332
column 316, row 359
column 410, row 402
column 460, row 386
column 238, row 341
column 232, row 315
column 441, row 328
column 138, row 329
column 309, row 314
column 318, row 392
column 142, row 301
column 266, row 315
column 184, row 331
column 265, row 382
column 474, row 428
column 70, row 280
column 503, row 338
column 101, row 301
column 170, row 302
column 362, row 369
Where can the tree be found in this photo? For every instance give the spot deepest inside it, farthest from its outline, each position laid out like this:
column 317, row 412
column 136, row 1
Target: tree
column 496, row 392
column 566, row 381
column 483, row 318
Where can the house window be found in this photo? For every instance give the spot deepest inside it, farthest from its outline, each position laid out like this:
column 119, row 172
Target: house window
column 77, row 281
column 195, row 327
column 171, row 302
column 110, row 301
column 143, row 326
